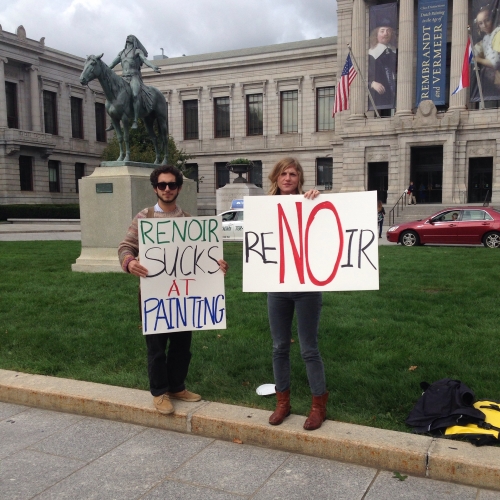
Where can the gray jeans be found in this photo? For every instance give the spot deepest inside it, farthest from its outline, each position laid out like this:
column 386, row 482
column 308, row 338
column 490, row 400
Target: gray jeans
column 280, row 307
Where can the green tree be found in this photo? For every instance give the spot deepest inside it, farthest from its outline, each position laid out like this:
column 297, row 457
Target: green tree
column 142, row 150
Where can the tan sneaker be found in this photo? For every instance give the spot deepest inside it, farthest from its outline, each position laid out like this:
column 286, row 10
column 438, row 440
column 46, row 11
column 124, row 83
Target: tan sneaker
column 163, row 405
column 185, row 395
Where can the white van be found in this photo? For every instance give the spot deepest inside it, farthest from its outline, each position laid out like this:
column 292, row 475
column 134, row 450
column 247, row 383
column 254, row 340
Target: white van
column 232, row 222
column 232, row 225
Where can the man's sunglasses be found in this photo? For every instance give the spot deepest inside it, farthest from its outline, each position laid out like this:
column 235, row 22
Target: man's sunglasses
column 171, row 185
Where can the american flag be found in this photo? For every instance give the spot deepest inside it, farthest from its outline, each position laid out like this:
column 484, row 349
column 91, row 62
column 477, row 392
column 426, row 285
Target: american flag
column 342, row 93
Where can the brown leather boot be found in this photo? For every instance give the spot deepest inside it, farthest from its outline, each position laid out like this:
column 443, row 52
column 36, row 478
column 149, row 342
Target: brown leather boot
column 282, row 408
column 317, row 415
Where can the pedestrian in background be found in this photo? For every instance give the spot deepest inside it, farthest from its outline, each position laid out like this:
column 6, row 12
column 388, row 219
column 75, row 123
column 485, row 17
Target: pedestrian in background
column 411, row 194
column 380, row 218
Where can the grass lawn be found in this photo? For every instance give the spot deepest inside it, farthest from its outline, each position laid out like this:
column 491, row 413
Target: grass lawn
column 436, row 310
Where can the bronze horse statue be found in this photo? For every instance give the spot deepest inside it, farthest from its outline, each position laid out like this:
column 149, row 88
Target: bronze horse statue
column 119, row 106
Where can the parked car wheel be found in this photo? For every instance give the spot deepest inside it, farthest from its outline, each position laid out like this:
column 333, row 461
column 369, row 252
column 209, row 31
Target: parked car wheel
column 409, row 239
column 492, row 240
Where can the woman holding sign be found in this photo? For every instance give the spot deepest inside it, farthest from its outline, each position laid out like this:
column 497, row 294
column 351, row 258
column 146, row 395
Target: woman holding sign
column 287, row 177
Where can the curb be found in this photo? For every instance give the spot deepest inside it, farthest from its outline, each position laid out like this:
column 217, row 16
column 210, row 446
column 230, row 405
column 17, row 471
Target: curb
column 440, row 459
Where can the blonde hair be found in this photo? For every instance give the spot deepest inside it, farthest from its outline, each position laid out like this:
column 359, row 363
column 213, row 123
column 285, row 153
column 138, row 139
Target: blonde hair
column 279, row 168
column 379, row 205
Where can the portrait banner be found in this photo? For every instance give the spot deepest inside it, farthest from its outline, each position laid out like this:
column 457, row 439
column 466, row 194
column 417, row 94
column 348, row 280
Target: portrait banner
column 485, row 32
column 184, row 289
column 382, row 55
column 431, row 51
column 293, row 244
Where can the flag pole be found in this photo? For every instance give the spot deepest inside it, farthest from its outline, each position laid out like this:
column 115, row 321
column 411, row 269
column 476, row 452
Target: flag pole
column 364, row 81
column 479, row 85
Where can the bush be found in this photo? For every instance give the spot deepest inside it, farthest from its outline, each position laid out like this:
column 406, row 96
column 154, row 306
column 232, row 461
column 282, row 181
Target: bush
column 69, row 211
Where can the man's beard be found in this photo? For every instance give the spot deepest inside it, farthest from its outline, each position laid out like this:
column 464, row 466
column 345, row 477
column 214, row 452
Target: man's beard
column 171, row 201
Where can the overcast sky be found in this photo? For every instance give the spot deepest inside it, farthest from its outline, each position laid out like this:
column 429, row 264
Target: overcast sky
column 84, row 27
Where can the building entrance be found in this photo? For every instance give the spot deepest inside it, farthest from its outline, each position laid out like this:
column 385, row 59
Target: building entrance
column 426, row 172
column 480, row 179
column 378, row 179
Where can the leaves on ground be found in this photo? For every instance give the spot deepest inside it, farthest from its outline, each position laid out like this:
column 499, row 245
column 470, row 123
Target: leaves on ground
column 398, row 476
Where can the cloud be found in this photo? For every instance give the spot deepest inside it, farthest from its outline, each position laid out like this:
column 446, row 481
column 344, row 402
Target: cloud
column 83, row 27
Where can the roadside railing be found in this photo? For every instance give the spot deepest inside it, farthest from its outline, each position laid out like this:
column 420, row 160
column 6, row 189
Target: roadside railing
column 397, row 208
column 486, row 202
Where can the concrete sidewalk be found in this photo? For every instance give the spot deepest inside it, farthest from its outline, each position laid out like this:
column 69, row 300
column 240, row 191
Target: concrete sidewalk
column 369, row 451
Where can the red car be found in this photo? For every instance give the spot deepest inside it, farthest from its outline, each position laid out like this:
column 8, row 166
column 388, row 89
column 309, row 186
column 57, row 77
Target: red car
column 459, row 225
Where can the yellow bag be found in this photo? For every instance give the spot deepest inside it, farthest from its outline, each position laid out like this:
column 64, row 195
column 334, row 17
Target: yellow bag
column 486, row 432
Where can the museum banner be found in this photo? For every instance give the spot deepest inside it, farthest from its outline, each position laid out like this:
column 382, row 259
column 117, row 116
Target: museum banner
column 485, row 31
column 382, row 55
column 431, row 51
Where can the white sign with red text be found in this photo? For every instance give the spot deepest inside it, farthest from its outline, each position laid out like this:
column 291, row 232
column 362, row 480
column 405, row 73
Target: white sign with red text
column 184, row 289
column 294, row 244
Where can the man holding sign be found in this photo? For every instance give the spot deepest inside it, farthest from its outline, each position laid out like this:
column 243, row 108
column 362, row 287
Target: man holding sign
column 167, row 371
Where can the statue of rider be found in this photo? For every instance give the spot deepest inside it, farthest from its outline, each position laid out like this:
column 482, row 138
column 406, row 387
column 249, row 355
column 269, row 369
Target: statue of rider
column 132, row 57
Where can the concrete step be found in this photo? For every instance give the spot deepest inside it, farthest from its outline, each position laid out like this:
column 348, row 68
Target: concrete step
column 43, row 221
column 434, row 458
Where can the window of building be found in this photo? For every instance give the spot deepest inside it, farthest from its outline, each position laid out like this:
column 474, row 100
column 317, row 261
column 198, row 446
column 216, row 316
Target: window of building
column 221, row 174
column 325, row 98
column 11, row 97
column 190, row 119
column 191, row 172
column 386, row 113
column 79, row 173
column 289, row 112
column 26, row 173
column 54, row 184
column 50, row 112
column 255, row 113
column 221, row 117
column 324, row 172
column 76, row 118
column 100, row 122
column 255, row 175
column 487, row 105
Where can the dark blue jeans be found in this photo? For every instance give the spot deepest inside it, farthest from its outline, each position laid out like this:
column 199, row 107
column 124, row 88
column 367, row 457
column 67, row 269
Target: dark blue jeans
column 281, row 307
column 168, row 371
column 380, row 226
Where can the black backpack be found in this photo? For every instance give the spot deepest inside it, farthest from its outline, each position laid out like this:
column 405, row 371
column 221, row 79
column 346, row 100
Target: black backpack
column 443, row 404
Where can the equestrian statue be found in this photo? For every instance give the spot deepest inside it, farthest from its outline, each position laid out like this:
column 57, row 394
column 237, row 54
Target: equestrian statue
column 128, row 99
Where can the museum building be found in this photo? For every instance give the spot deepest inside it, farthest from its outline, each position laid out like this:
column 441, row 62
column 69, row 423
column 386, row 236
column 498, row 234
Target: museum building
column 267, row 102
column 259, row 103
column 52, row 130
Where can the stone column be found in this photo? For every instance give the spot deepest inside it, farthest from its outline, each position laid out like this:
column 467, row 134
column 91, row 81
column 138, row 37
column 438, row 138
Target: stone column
column 358, row 94
column 3, row 97
column 459, row 36
column 35, row 100
column 406, row 51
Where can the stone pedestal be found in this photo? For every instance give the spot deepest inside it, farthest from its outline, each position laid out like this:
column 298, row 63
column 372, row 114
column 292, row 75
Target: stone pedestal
column 225, row 195
column 109, row 200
